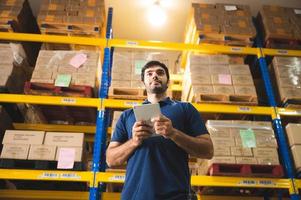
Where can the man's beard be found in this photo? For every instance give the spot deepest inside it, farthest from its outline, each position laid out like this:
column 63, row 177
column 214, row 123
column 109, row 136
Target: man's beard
column 159, row 89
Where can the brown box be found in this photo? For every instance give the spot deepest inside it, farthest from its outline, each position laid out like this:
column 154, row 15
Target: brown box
column 202, row 89
column 23, row 137
column 296, row 152
column 219, row 60
column 64, row 139
column 219, row 69
column 219, row 79
column 200, row 79
column 198, row 69
column 266, row 141
column 224, row 142
column 15, row 151
column 245, row 90
column 116, row 83
column 78, row 153
column 268, row 161
column 121, row 76
column 221, row 151
column 240, row 69
column 289, row 92
column 240, row 151
column 265, row 152
column 42, row 152
column 246, row 160
column 222, row 160
column 137, row 84
column 235, row 60
column 220, row 132
column 293, row 133
column 242, row 80
column 225, row 90
column 263, row 124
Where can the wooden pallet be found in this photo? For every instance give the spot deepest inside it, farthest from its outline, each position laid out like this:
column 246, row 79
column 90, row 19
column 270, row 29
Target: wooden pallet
column 224, row 99
column 246, row 170
column 127, row 93
column 52, row 90
column 227, row 39
column 239, row 192
column 292, row 103
column 282, row 43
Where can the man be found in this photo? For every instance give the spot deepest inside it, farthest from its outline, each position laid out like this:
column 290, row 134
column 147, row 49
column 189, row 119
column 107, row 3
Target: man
column 157, row 167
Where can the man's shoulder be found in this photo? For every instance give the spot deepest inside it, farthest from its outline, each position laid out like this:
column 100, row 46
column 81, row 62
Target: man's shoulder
column 127, row 112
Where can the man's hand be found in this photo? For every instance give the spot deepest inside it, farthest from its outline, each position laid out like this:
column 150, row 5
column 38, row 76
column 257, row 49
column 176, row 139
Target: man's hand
column 163, row 126
column 141, row 130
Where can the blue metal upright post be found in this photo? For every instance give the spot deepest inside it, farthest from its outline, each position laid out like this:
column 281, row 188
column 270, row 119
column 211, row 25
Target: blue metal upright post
column 99, row 160
column 282, row 142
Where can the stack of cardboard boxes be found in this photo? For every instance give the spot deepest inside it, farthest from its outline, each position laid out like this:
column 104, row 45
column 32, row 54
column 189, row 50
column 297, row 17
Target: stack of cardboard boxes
column 83, row 67
column 213, row 78
column 221, row 23
column 240, row 142
column 294, row 139
column 16, row 16
column 74, row 18
column 38, row 145
column 280, row 22
column 14, row 68
column 288, row 77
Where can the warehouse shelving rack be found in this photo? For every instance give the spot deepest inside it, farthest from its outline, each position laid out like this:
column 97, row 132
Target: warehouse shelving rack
column 97, row 175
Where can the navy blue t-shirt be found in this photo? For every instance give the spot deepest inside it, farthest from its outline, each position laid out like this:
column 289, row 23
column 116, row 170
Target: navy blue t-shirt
column 158, row 168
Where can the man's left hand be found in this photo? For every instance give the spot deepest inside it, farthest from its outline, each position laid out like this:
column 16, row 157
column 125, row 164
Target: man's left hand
column 163, row 126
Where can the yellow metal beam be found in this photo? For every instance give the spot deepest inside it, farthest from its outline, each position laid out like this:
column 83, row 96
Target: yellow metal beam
column 115, row 103
column 47, row 175
column 50, row 100
column 281, row 52
column 219, row 181
column 43, row 194
column 176, row 87
column 53, row 39
column 234, row 109
column 289, row 112
column 298, row 183
column 176, row 77
column 55, row 127
column 200, row 48
column 214, row 181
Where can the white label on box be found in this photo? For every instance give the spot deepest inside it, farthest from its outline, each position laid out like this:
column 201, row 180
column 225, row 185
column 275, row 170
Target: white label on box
column 230, row 8
column 66, row 158
column 297, row 11
column 282, row 52
column 236, row 49
column 244, row 109
column 128, row 103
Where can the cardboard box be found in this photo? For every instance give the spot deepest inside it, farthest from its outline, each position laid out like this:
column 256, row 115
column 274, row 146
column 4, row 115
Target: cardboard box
column 263, row 124
column 121, row 76
column 78, row 153
column 64, row 139
column 245, row 90
column 219, row 69
column 236, row 60
column 293, row 133
column 240, row 151
column 219, row 132
column 268, row 161
column 15, row 151
column 289, row 82
column 221, row 79
column 265, row 152
column 221, row 151
column 198, row 69
column 200, row 79
column 224, row 142
column 23, row 137
column 202, row 89
column 222, row 160
column 224, row 90
column 137, row 84
column 117, row 83
column 240, row 69
column 199, row 60
column 296, row 152
column 242, row 80
column 265, row 141
column 246, row 160
column 42, row 152
column 219, row 60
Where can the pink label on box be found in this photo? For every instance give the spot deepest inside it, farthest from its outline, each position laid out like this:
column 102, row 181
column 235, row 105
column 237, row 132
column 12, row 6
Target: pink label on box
column 78, row 60
column 224, row 79
column 66, row 158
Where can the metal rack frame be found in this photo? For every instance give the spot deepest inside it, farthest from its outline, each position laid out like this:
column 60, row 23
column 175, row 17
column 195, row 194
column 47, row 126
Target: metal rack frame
column 97, row 175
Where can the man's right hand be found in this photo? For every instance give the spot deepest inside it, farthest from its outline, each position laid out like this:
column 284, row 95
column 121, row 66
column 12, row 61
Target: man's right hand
column 141, row 130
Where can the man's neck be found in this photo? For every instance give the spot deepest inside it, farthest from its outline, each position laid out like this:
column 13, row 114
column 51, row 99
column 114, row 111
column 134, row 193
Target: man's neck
column 155, row 98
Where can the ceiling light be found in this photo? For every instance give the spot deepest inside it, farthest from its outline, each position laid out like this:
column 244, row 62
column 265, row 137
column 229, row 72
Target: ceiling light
column 156, row 14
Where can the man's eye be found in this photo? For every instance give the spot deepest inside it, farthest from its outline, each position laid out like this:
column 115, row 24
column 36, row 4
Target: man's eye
column 149, row 74
column 161, row 73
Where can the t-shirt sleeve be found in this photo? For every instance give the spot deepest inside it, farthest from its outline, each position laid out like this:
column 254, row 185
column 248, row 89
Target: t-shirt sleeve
column 120, row 132
column 194, row 122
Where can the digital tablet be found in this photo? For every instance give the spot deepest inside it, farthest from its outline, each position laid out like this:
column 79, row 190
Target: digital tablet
column 146, row 112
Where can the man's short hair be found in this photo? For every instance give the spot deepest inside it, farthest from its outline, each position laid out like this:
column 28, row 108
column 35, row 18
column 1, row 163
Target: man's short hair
column 152, row 64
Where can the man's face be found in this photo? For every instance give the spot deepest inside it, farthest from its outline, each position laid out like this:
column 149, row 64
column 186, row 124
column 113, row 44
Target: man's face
column 155, row 80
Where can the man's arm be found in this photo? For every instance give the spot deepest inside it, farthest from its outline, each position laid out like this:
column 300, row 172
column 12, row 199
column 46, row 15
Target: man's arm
column 118, row 153
column 200, row 146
